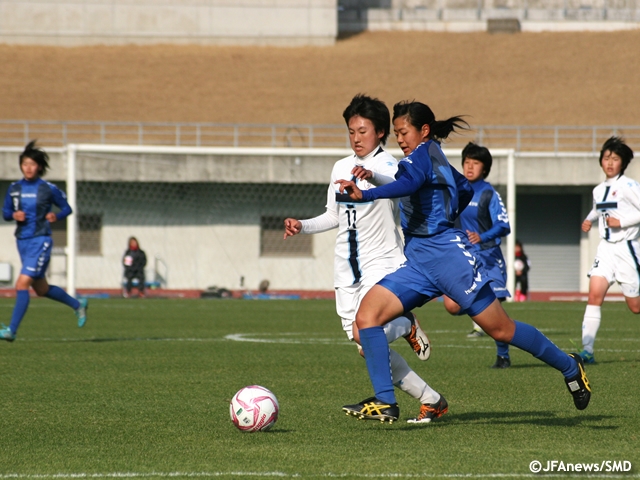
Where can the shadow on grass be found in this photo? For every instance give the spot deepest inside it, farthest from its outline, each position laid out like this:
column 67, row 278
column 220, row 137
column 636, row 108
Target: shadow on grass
column 538, row 418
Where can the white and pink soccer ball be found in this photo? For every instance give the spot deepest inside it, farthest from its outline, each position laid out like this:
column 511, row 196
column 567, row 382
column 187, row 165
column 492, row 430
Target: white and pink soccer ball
column 254, row 409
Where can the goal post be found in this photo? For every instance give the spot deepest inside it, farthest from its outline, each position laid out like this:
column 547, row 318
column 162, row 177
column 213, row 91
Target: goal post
column 224, row 208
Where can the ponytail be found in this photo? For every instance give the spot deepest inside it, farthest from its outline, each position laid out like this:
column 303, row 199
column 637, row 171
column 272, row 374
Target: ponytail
column 420, row 114
column 441, row 129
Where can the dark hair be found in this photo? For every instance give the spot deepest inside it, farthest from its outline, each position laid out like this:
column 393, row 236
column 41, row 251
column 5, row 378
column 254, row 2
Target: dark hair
column 518, row 243
column 371, row 109
column 616, row 145
column 482, row 154
column 420, row 114
column 37, row 155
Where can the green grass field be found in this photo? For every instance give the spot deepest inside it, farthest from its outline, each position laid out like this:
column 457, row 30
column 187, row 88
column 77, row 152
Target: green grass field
column 143, row 392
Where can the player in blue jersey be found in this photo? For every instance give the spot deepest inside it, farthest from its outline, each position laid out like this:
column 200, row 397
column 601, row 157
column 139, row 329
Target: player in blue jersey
column 485, row 221
column 28, row 202
column 440, row 261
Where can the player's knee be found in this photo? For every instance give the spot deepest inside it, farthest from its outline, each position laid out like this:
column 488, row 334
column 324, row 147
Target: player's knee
column 635, row 308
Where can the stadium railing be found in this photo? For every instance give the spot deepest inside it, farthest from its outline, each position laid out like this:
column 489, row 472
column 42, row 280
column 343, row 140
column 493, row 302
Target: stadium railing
column 522, row 138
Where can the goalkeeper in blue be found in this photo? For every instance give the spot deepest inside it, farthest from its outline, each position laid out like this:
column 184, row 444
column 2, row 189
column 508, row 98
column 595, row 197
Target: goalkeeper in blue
column 485, row 221
column 440, row 261
column 29, row 202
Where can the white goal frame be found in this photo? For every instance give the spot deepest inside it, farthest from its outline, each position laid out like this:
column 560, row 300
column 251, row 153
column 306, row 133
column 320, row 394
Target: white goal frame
column 72, row 150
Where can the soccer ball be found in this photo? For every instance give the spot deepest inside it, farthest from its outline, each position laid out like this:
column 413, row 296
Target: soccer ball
column 254, row 409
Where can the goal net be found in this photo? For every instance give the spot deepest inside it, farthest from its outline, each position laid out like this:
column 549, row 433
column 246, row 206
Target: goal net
column 205, row 216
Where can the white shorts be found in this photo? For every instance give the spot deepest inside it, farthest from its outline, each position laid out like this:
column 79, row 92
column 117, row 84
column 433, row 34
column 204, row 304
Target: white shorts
column 619, row 262
column 348, row 299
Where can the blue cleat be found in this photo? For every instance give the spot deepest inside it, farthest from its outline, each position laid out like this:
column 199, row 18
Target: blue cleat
column 81, row 312
column 7, row 334
column 587, row 357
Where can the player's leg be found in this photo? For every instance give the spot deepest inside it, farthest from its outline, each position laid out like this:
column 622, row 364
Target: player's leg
column 23, row 283
column 30, row 251
column 432, row 404
column 598, row 287
column 378, row 307
column 454, row 309
column 488, row 312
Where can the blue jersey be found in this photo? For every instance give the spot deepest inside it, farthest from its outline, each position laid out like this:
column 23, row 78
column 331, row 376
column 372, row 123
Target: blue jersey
column 485, row 215
column 433, row 192
column 35, row 198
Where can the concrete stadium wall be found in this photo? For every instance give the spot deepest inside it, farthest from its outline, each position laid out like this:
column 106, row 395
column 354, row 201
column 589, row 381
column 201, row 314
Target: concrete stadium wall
column 250, row 22
column 217, row 243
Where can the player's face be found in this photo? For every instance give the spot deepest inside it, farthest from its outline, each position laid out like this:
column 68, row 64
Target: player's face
column 30, row 169
column 472, row 169
column 611, row 164
column 408, row 136
column 363, row 136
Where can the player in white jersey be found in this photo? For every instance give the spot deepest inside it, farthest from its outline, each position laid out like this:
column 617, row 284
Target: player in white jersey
column 616, row 206
column 368, row 244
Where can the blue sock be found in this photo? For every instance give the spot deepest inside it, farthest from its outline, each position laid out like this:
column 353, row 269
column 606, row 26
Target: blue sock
column 19, row 309
column 530, row 340
column 503, row 349
column 376, row 354
column 59, row 295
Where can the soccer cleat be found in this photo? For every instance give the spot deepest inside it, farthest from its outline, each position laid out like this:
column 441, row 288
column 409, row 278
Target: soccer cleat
column 418, row 339
column 81, row 312
column 7, row 334
column 578, row 385
column 475, row 333
column 501, row 362
column 429, row 411
column 587, row 357
column 373, row 409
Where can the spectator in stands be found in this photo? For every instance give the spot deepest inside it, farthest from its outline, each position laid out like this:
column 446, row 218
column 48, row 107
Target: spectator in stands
column 521, row 266
column 134, row 261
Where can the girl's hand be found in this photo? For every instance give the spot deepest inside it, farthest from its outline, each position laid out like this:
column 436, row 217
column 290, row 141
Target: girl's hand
column 291, row 227
column 586, row 226
column 613, row 222
column 350, row 188
column 19, row 216
column 52, row 217
column 473, row 237
column 361, row 173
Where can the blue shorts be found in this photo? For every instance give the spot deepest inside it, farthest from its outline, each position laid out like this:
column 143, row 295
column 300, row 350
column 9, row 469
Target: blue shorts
column 496, row 268
column 442, row 264
column 35, row 254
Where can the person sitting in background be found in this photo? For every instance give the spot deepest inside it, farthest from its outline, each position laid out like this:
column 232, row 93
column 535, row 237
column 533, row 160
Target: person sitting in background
column 134, row 261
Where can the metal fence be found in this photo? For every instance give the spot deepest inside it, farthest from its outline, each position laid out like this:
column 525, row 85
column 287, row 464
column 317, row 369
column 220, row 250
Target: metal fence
column 521, row 138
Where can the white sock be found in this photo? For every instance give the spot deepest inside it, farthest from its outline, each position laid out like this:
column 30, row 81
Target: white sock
column 590, row 325
column 408, row 381
column 398, row 327
column 476, row 326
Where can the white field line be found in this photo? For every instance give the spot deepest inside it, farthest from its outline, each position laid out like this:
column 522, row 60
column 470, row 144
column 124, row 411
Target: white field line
column 236, row 474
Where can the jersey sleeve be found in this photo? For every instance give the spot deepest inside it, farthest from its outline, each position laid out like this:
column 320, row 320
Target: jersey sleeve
column 465, row 191
column 7, row 207
column 385, row 172
column 60, row 200
column 325, row 221
column 631, row 216
column 409, row 179
column 499, row 218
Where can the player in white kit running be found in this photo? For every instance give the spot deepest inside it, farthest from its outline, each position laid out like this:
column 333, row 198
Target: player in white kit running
column 368, row 244
column 616, row 206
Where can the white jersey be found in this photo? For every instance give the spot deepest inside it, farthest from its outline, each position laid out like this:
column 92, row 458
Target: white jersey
column 367, row 240
column 618, row 198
